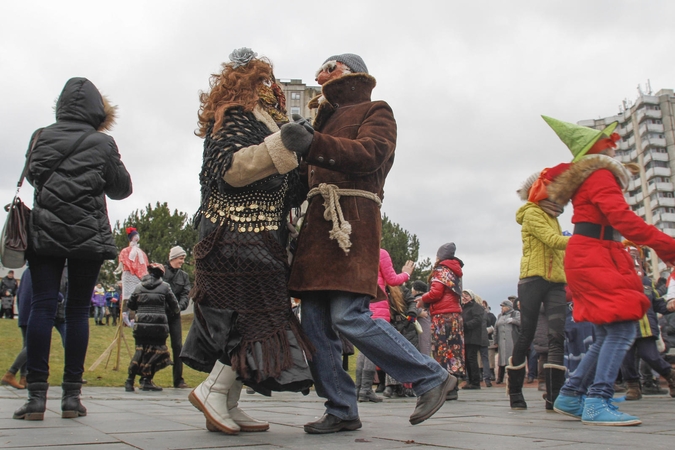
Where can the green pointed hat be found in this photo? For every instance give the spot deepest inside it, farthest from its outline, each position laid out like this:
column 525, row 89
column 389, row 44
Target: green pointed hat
column 577, row 138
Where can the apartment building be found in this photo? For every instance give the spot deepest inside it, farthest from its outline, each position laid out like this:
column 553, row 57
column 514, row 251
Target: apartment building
column 647, row 130
column 298, row 94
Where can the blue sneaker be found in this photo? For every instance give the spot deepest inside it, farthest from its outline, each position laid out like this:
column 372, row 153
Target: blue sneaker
column 601, row 411
column 569, row 405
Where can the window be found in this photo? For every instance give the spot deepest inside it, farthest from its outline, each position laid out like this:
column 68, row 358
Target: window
column 295, row 96
column 295, row 110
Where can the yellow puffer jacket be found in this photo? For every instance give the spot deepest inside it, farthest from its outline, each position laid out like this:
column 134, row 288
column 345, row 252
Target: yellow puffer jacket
column 543, row 244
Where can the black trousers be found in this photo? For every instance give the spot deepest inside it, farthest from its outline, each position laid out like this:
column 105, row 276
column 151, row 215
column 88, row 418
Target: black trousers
column 472, row 370
column 532, row 295
column 644, row 348
column 176, row 335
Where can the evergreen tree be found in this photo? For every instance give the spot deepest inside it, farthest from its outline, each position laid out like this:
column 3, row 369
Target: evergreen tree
column 403, row 246
column 159, row 230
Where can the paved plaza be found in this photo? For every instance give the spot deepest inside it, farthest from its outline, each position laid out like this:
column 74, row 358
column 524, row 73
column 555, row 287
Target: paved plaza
column 482, row 419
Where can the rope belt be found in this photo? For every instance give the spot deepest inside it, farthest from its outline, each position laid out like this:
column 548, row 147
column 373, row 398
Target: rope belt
column 333, row 211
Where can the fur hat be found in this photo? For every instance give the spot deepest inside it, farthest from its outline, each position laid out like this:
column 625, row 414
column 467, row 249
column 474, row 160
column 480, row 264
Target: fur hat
column 156, row 270
column 420, row 286
column 446, row 251
column 508, row 303
column 176, row 252
column 354, row 62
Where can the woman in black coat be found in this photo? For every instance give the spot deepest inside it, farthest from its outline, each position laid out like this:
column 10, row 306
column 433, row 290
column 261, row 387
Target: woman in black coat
column 73, row 167
column 151, row 299
column 472, row 316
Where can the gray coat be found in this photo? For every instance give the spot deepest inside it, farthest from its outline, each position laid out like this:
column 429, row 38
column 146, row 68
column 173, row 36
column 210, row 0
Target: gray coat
column 507, row 330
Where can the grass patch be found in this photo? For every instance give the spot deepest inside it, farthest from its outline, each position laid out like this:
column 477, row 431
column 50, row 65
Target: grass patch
column 100, row 337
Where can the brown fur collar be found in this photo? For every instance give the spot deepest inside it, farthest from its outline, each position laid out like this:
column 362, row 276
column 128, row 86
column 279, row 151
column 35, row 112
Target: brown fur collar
column 349, row 88
column 564, row 186
column 110, row 115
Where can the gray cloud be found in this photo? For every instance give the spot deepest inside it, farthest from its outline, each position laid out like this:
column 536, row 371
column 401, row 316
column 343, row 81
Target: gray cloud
column 467, row 83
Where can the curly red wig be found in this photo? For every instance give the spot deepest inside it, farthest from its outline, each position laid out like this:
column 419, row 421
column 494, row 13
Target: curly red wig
column 229, row 89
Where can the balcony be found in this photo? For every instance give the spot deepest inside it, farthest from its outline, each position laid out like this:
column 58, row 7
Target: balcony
column 657, row 172
column 655, row 156
column 666, row 217
column 653, row 142
column 654, row 127
column 663, row 201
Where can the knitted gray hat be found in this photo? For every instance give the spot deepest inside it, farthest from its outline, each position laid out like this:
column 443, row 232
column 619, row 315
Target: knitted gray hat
column 446, row 251
column 176, row 252
column 354, row 62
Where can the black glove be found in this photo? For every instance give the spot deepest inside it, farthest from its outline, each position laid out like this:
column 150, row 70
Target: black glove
column 296, row 137
column 297, row 118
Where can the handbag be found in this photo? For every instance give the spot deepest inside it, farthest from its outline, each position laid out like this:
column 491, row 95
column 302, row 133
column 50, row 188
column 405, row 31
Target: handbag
column 14, row 237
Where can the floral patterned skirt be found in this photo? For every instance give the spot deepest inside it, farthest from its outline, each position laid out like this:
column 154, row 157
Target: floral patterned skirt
column 447, row 342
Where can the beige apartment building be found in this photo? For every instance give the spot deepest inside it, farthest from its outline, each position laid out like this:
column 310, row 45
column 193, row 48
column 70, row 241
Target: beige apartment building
column 297, row 96
column 647, row 130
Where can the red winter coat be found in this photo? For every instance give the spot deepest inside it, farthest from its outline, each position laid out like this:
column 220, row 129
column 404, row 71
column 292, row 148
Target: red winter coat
column 600, row 273
column 441, row 299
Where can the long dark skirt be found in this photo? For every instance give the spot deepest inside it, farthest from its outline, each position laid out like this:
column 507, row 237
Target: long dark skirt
column 243, row 315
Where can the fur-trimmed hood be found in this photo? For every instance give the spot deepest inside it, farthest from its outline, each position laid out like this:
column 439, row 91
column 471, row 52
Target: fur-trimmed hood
column 564, row 186
column 80, row 101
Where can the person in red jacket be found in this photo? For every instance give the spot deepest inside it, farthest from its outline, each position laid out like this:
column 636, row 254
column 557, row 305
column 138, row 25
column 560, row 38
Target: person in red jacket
column 443, row 300
column 600, row 273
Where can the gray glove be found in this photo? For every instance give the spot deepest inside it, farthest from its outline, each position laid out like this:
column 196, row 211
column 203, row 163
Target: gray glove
column 297, row 118
column 296, row 137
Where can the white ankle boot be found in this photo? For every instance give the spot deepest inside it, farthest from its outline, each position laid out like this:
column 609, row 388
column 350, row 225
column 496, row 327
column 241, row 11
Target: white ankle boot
column 245, row 422
column 210, row 397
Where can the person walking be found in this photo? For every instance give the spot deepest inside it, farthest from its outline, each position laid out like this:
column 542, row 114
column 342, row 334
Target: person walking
column 73, row 166
column 600, row 273
column 348, row 152
column 150, row 299
column 179, row 281
column 133, row 264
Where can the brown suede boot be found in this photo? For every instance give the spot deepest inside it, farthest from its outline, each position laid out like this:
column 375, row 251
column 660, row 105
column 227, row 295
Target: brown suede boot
column 23, row 382
column 10, row 379
column 633, row 390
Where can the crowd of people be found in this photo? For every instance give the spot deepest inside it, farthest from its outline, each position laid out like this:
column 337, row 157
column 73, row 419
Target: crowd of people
column 572, row 324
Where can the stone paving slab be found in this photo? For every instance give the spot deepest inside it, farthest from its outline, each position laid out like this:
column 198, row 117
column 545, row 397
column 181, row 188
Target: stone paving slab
column 119, row 420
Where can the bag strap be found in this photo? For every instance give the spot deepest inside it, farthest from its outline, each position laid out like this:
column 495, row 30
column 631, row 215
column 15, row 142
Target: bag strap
column 67, row 154
column 24, row 172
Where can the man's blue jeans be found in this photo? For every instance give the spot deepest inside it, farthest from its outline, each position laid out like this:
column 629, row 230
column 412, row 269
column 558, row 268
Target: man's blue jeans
column 326, row 312
column 597, row 372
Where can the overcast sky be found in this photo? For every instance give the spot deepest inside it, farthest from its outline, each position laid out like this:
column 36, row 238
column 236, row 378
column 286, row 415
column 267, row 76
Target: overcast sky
column 467, row 81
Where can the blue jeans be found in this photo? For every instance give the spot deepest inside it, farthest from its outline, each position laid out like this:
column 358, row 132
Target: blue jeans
column 46, row 274
column 324, row 313
column 99, row 313
column 598, row 369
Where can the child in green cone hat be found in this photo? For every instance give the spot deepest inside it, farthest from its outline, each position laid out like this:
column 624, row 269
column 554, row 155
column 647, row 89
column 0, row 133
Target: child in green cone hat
column 605, row 288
